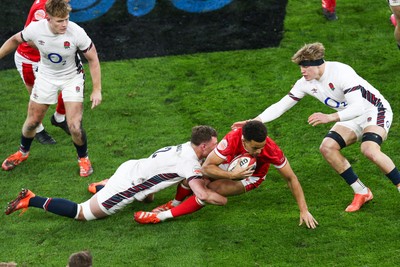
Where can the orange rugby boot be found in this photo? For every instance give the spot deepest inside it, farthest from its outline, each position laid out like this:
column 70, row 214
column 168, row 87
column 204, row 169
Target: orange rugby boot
column 21, row 202
column 85, row 167
column 359, row 200
column 14, row 160
column 164, row 207
column 92, row 187
column 145, row 217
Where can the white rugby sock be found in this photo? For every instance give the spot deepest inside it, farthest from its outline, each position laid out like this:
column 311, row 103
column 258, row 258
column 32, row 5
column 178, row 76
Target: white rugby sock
column 165, row 215
column 359, row 187
column 39, row 128
column 59, row 117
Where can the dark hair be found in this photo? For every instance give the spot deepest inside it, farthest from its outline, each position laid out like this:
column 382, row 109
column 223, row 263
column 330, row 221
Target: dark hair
column 254, row 130
column 80, row 259
column 202, row 133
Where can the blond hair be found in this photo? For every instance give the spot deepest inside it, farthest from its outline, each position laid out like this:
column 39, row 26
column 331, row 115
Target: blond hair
column 58, row 8
column 308, row 52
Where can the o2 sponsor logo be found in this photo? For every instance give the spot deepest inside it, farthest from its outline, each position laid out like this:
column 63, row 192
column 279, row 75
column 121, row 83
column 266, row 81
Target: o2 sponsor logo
column 333, row 103
column 86, row 10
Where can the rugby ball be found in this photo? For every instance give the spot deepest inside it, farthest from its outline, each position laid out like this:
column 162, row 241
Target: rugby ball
column 243, row 161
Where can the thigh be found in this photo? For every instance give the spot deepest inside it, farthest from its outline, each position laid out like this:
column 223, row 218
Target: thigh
column 116, row 194
column 395, row 7
column 350, row 132
column 227, row 187
column 36, row 111
column 377, row 130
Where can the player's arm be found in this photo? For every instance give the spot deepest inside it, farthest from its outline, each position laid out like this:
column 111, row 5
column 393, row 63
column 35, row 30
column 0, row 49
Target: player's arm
column 354, row 108
column 199, row 188
column 297, row 191
column 272, row 112
column 94, row 65
column 11, row 44
column 210, row 168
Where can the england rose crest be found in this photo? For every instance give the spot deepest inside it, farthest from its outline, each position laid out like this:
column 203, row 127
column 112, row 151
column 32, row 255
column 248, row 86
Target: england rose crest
column 67, row 45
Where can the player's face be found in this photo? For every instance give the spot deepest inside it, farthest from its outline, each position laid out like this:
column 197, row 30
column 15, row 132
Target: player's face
column 310, row 72
column 58, row 25
column 209, row 146
column 252, row 147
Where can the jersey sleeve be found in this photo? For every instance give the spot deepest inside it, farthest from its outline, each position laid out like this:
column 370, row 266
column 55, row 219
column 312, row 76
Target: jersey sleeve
column 287, row 102
column 276, row 110
column 28, row 32
column 83, row 41
column 191, row 170
column 352, row 85
column 230, row 145
column 271, row 154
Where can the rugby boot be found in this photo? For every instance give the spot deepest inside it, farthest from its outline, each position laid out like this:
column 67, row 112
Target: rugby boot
column 63, row 125
column 85, row 167
column 329, row 15
column 21, row 202
column 145, row 217
column 164, row 207
column 359, row 200
column 14, row 160
column 92, row 187
column 45, row 138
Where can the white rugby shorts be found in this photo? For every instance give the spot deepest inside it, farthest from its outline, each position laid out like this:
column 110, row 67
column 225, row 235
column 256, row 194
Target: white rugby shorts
column 394, row 2
column 118, row 192
column 45, row 91
column 369, row 118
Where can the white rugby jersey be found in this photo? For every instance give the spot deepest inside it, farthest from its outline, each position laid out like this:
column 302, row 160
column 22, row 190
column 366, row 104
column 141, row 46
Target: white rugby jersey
column 163, row 168
column 58, row 52
column 180, row 160
column 339, row 88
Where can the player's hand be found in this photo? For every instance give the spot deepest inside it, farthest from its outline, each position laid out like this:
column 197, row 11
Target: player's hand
column 308, row 219
column 238, row 124
column 241, row 173
column 95, row 98
column 319, row 118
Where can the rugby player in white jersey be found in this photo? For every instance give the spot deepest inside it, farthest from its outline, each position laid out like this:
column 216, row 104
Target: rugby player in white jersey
column 26, row 60
column 136, row 180
column 362, row 114
column 58, row 41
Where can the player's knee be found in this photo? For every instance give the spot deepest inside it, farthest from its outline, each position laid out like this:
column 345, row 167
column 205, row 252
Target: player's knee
column 31, row 124
column 74, row 128
column 85, row 212
column 332, row 141
column 369, row 152
column 370, row 145
column 79, row 215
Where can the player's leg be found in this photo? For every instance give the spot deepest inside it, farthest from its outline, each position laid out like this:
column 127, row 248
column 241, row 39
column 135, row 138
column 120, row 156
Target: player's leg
column 395, row 7
column 221, row 187
column 86, row 211
column 372, row 139
column 182, row 192
column 72, row 93
column 27, row 70
column 329, row 9
column 35, row 115
column 339, row 137
column 74, row 112
column 58, row 119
